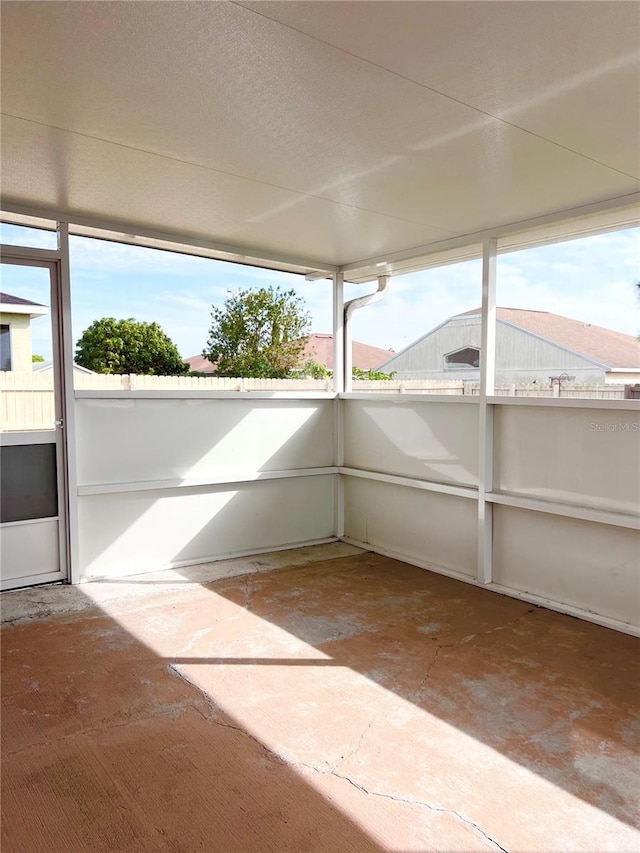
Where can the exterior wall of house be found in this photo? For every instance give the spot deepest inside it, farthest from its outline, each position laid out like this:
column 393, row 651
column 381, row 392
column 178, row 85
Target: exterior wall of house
column 615, row 377
column 516, row 353
column 20, row 334
column 165, row 482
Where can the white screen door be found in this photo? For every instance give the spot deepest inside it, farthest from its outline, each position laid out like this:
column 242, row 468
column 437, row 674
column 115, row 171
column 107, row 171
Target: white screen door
column 32, row 518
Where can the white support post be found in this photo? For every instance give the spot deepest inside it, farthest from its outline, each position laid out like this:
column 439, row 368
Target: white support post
column 338, row 332
column 485, row 411
column 338, row 461
column 338, row 387
column 68, row 403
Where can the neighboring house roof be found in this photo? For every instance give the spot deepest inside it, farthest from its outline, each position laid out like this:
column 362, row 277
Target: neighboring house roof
column 318, row 348
column 10, row 304
column 16, row 300
column 610, row 348
column 44, row 366
column 200, row 364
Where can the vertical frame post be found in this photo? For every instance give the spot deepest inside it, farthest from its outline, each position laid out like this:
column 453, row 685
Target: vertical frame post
column 338, row 461
column 338, row 387
column 68, row 402
column 485, row 411
column 338, row 333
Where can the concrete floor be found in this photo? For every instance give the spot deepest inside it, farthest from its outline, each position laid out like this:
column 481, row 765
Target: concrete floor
column 315, row 700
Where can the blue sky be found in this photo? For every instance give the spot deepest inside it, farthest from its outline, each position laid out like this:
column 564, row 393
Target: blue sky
column 590, row 279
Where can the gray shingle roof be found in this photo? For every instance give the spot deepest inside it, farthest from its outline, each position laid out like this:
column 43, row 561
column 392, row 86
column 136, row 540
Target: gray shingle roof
column 8, row 299
column 614, row 349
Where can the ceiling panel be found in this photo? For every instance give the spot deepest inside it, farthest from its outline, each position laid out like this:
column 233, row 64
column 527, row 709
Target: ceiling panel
column 58, row 171
column 220, row 122
column 478, row 179
column 215, row 85
column 569, row 71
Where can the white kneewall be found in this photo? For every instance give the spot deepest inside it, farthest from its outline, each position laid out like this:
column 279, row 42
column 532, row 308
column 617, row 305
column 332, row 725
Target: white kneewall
column 392, row 450
column 164, row 482
column 131, row 532
column 587, row 456
column 431, row 441
column 565, row 496
column 575, row 563
column 412, row 525
column 168, row 481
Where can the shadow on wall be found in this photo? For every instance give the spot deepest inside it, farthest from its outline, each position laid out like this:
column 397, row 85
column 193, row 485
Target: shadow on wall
column 172, row 443
column 428, row 441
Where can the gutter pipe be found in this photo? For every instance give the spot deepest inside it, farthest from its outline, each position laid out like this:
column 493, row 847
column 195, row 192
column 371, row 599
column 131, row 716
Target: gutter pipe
column 349, row 307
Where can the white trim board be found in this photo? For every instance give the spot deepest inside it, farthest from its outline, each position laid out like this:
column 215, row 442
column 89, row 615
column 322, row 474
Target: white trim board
column 159, row 394
column 560, row 508
column 229, row 479
column 566, row 510
column 120, row 231
column 411, row 482
column 409, row 398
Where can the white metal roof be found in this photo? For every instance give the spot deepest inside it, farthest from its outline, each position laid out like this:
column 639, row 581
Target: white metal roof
column 322, row 133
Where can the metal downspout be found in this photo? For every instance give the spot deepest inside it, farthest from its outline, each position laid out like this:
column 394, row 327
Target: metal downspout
column 349, row 307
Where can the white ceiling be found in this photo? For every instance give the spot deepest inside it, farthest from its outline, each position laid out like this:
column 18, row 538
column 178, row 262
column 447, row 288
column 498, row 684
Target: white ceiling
column 326, row 131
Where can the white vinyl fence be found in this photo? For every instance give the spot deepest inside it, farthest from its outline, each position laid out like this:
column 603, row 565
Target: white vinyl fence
column 26, row 399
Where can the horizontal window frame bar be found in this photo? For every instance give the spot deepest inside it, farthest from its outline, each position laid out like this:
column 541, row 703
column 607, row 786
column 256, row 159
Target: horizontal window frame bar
column 411, row 482
column 226, row 479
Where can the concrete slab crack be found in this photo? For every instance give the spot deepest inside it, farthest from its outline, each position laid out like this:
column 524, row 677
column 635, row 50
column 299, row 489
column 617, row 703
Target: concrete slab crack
column 506, row 625
column 352, row 751
column 333, row 772
column 270, row 752
column 416, row 692
column 247, row 593
column 411, row 802
column 468, row 639
column 464, row 641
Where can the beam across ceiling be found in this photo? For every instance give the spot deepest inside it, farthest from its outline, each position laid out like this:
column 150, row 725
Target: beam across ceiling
column 134, row 235
column 587, row 220
column 611, row 215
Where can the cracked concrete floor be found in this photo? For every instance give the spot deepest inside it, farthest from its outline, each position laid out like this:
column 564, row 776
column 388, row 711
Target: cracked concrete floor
column 323, row 700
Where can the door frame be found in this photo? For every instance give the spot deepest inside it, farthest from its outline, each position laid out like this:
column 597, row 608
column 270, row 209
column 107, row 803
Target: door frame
column 54, row 261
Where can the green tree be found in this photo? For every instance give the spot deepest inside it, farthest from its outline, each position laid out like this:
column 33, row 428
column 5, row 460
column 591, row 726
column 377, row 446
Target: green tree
column 258, row 333
column 372, row 374
column 36, row 359
column 127, row 346
column 311, row 370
